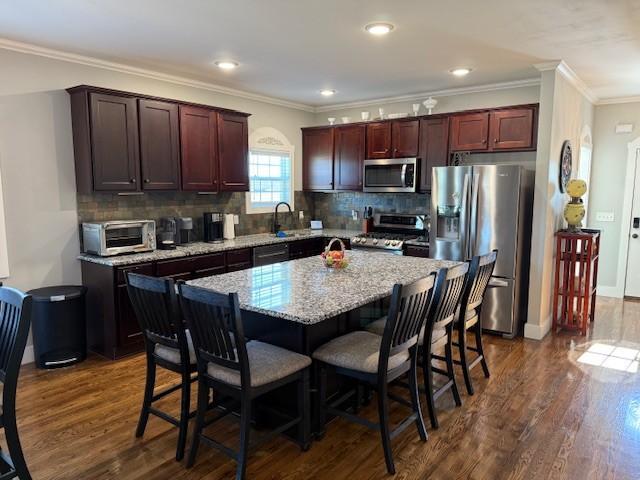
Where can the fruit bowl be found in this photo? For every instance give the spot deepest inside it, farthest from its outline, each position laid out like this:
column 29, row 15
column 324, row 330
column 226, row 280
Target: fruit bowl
column 334, row 259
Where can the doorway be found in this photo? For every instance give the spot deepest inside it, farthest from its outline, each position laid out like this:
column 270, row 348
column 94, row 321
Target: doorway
column 632, row 283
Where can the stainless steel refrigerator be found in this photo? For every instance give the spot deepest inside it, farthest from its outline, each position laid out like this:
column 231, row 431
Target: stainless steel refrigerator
column 478, row 208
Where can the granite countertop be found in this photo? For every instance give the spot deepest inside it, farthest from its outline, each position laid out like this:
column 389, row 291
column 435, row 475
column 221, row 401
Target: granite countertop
column 307, row 292
column 199, row 248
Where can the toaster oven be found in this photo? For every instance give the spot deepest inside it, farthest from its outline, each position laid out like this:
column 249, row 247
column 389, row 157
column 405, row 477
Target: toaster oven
column 118, row 236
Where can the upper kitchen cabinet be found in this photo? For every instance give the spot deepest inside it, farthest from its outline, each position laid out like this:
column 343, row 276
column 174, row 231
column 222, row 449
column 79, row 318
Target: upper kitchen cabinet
column 434, row 148
column 404, row 138
column 317, row 158
column 199, row 148
column 233, row 140
column 379, row 140
column 512, row 129
column 105, row 140
column 469, row 131
column 159, row 145
column 348, row 157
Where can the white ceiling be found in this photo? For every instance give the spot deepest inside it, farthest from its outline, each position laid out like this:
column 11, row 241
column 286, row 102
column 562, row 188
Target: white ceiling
column 290, row 49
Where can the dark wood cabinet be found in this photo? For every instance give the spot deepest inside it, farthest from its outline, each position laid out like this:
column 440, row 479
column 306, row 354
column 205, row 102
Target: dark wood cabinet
column 469, row 131
column 199, row 148
column 129, row 332
column 434, row 148
column 348, row 157
column 159, row 145
column 404, row 138
column 378, row 140
column 317, row 158
column 511, row 129
column 308, row 247
column 233, row 139
column 114, row 141
column 416, row 251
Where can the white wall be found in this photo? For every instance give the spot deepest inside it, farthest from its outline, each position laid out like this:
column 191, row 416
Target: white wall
column 608, row 170
column 564, row 112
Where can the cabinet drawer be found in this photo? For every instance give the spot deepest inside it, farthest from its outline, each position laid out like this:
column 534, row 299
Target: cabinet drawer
column 416, row 251
column 171, row 268
column 207, row 272
column 234, row 267
column 142, row 269
column 204, row 262
column 239, row 256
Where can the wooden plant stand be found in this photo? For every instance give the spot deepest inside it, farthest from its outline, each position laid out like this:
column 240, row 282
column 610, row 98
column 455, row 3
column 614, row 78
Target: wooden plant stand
column 576, row 276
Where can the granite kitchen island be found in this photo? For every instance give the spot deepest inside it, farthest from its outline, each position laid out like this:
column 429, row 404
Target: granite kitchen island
column 301, row 304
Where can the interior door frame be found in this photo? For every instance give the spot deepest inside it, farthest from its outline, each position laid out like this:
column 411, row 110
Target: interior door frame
column 633, row 153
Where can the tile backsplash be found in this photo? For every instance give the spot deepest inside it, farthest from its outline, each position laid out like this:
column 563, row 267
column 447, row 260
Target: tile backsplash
column 154, row 205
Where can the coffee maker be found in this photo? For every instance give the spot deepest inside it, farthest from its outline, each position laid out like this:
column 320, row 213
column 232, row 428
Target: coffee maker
column 213, row 227
column 184, row 230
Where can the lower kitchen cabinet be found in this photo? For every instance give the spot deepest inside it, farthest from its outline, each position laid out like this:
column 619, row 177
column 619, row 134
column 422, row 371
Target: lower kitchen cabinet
column 416, row 251
column 306, row 248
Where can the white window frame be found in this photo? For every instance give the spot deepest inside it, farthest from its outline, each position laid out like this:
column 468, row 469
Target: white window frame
column 270, row 140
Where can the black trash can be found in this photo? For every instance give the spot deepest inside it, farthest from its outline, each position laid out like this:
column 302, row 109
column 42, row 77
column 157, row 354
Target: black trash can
column 59, row 326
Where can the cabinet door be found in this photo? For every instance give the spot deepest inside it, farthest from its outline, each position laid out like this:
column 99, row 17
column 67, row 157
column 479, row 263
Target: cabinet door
column 317, row 159
column 159, row 145
column 379, row 140
column 114, row 143
column 129, row 332
column 469, row 132
column 233, row 140
column 348, row 157
column 199, row 149
column 511, row 129
column 416, row 251
column 434, row 148
column 405, row 134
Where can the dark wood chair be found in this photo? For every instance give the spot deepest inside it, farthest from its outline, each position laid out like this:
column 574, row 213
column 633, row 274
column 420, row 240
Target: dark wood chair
column 15, row 317
column 468, row 316
column 376, row 361
column 439, row 332
column 167, row 345
column 238, row 370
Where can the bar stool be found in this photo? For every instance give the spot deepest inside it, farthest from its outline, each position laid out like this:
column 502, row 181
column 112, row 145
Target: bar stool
column 238, row 369
column 376, row 361
column 167, row 345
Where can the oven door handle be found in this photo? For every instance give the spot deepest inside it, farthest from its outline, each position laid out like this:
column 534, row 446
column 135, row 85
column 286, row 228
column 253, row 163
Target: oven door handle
column 110, row 226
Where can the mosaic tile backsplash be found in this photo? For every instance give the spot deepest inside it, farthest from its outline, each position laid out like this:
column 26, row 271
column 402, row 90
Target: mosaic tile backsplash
column 154, row 205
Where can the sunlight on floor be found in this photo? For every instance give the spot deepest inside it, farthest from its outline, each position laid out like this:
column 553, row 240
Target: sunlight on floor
column 611, row 356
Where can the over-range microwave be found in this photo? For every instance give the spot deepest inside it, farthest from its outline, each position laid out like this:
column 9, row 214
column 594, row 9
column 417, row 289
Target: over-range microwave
column 118, row 236
column 390, row 175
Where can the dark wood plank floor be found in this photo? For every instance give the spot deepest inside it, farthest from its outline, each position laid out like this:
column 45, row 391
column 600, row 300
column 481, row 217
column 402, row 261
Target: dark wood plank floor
column 542, row 415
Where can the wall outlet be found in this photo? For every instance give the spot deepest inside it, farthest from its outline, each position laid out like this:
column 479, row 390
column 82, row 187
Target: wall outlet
column 301, row 215
column 624, row 128
column 354, row 214
column 605, row 217
column 236, row 219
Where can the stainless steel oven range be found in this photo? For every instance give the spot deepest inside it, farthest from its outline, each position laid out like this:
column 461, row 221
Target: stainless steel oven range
column 391, row 230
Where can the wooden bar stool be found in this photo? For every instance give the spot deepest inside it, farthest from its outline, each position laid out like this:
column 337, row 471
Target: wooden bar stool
column 15, row 317
column 238, row 369
column 167, row 345
column 376, row 361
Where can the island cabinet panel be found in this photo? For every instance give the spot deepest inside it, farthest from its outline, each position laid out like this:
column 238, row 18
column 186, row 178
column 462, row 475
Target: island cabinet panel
column 469, row 131
column 434, row 148
column 511, row 129
column 233, row 140
column 317, row 159
column 379, row 140
column 199, row 149
column 404, row 138
column 114, row 143
column 348, row 157
column 159, row 145
column 306, row 248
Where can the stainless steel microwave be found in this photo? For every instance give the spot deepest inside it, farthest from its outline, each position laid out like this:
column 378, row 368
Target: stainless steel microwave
column 390, row 175
column 118, row 236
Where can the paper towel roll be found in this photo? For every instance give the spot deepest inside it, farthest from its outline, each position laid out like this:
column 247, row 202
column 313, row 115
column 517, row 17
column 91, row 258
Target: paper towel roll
column 229, row 227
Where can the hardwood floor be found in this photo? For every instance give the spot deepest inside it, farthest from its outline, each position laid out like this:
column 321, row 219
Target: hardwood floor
column 542, row 415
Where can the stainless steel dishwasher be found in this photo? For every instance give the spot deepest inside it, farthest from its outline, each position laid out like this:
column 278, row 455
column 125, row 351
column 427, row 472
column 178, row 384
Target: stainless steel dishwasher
column 270, row 254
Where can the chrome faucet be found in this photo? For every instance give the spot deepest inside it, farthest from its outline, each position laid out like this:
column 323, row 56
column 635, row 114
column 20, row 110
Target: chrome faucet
column 276, row 225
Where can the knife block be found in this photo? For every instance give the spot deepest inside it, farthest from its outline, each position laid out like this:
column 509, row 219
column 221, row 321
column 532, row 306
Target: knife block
column 367, row 225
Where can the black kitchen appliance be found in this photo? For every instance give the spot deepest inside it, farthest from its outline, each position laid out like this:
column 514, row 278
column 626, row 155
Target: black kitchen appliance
column 167, row 233
column 213, row 227
column 184, row 230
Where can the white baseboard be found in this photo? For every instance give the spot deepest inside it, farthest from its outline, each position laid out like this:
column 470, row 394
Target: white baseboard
column 28, row 356
column 537, row 332
column 609, row 291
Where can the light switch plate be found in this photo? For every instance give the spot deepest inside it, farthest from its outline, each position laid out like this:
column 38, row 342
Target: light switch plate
column 301, row 215
column 605, row 216
column 624, row 128
column 354, row 214
column 236, row 219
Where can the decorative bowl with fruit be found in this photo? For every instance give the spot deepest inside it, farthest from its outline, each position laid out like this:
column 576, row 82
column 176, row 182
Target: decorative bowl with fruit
column 335, row 259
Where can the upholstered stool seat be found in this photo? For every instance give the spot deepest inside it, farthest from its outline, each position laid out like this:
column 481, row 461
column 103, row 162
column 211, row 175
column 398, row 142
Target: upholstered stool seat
column 173, row 354
column 377, row 327
column 267, row 364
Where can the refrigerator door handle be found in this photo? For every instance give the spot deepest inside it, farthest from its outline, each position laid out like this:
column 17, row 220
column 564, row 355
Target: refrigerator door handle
column 464, row 222
column 473, row 220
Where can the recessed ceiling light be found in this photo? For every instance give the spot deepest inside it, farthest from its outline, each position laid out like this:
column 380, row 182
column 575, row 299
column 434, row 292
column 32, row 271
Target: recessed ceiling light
column 379, row 28
column 460, row 72
column 327, row 92
column 226, row 64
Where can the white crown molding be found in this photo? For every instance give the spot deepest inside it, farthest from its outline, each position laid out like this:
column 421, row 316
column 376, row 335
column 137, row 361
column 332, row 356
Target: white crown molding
column 614, row 100
column 530, row 82
column 142, row 72
column 567, row 72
